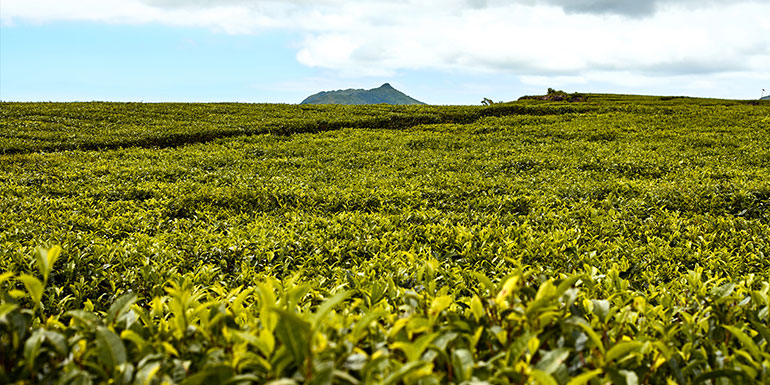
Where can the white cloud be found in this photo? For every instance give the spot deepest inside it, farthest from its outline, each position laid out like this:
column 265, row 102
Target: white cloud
column 327, row 50
column 626, row 42
column 227, row 17
column 545, row 40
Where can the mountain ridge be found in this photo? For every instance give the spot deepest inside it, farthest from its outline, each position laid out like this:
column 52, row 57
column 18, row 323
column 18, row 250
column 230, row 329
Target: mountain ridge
column 382, row 94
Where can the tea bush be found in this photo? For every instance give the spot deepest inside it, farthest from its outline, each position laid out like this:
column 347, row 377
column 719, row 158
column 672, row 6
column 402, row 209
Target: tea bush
column 614, row 240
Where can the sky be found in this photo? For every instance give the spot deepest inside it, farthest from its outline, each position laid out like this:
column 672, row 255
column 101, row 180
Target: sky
column 438, row 51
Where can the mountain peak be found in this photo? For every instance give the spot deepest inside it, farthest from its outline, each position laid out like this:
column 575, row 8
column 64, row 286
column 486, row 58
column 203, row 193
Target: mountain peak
column 383, row 94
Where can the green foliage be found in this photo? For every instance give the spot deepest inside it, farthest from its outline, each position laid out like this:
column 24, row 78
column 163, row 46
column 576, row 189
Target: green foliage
column 553, row 95
column 487, row 102
column 547, row 330
column 621, row 240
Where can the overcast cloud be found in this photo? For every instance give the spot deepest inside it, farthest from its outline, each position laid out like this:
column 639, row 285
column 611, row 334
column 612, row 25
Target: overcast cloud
column 571, row 41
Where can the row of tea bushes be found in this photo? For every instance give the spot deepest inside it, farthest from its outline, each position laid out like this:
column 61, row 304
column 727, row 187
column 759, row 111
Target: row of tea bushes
column 360, row 326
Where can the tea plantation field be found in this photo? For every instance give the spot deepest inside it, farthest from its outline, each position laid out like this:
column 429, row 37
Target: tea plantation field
column 617, row 240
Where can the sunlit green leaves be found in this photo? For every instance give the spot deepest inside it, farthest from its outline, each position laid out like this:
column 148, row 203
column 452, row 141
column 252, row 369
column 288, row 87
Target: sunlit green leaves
column 34, row 287
column 299, row 339
column 46, row 259
column 621, row 349
column 622, row 240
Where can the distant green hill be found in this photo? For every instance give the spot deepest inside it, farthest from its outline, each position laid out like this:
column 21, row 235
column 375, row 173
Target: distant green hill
column 765, row 98
column 384, row 94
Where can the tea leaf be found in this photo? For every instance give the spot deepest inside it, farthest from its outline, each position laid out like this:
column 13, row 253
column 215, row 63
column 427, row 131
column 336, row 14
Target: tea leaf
column 543, row 378
column 747, row 342
column 34, row 287
column 113, row 353
column 294, row 333
column 120, row 306
column 462, row 360
column 552, row 360
column 584, row 378
column 621, row 349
